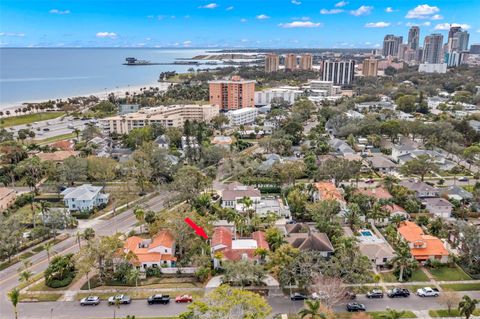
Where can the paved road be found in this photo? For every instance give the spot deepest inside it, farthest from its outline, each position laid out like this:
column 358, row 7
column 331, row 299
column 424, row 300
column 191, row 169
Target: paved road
column 122, row 223
column 55, row 126
column 139, row 308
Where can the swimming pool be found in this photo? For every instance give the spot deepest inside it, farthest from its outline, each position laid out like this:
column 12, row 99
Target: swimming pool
column 366, row 233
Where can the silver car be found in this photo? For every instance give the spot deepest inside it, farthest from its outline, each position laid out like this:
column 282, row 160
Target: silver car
column 121, row 299
column 90, row 301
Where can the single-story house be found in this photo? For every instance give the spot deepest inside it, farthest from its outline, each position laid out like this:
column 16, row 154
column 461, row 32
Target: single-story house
column 162, row 142
column 421, row 189
column 395, row 210
column 422, row 247
column 84, row 198
column 156, row 252
column 439, row 207
column 378, row 192
column 232, row 249
column 382, row 164
column 456, row 192
column 304, row 237
column 341, row 147
column 378, row 250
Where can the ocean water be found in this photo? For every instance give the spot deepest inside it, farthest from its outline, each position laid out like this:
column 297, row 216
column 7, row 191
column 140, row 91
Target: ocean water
column 30, row 74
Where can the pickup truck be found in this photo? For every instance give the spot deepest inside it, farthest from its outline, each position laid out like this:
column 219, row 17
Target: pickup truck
column 428, row 292
column 161, row 299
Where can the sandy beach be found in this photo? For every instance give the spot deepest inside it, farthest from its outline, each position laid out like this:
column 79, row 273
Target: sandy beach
column 102, row 95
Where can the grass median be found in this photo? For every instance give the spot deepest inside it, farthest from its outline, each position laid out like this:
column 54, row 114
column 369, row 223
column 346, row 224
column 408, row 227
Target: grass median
column 29, row 118
column 462, row 287
column 441, row 313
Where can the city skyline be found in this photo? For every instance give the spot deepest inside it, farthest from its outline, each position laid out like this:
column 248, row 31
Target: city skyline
column 232, row 23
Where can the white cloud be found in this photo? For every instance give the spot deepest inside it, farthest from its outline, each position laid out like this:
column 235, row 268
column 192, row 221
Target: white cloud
column 244, row 40
column 296, row 2
column 332, row 11
column 263, row 17
column 362, row 11
column 230, row 8
column 212, row 5
column 56, row 11
column 446, row 26
column 111, row 35
column 12, row 34
column 380, row 24
column 389, row 10
column 341, row 4
column 243, row 20
column 187, row 43
column 423, row 11
column 300, row 24
column 425, row 24
column 377, row 45
column 436, row 17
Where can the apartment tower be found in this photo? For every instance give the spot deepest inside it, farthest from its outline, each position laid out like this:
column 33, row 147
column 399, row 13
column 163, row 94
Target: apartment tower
column 339, row 72
column 370, row 67
column 433, row 48
column 232, row 94
column 306, row 62
column 291, row 62
column 272, row 62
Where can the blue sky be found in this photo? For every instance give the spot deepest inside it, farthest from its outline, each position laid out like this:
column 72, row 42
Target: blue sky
column 226, row 23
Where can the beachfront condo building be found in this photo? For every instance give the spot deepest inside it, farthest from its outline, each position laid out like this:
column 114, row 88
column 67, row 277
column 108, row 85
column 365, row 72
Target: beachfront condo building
column 168, row 116
column 232, row 94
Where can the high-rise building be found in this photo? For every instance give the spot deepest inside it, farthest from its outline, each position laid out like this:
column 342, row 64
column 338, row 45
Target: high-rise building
column 402, row 48
column 370, row 67
column 475, row 49
column 339, row 72
column 306, row 62
column 452, row 31
column 291, row 62
column 232, row 94
column 414, row 37
column 433, row 48
column 391, row 44
column 460, row 41
column 272, row 62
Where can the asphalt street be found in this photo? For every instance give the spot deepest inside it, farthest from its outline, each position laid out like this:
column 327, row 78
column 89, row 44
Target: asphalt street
column 55, row 127
column 140, row 308
column 122, row 223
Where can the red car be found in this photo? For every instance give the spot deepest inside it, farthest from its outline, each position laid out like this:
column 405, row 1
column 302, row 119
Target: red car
column 184, row 298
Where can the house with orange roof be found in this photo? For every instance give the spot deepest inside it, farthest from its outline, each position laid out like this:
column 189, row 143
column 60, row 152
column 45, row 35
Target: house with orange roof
column 224, row 241
column 156, row 252
column 65, row 145
column 378, row 192
column 422, row 247
column 326, row 190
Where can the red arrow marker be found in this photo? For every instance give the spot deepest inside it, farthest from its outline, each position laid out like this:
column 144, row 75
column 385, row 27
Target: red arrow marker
column 198, row 230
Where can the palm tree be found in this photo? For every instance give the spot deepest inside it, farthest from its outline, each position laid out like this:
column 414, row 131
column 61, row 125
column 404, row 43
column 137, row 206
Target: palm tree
column 14, row 296
column 25, row 276
column 140, row 216
column 312, row 310
column 467, row 306
column 393, row 314
column 48, row 248
column 403, row 260
column 133, row 275
column 77, row 132
column 44, row 208
column 88, row 233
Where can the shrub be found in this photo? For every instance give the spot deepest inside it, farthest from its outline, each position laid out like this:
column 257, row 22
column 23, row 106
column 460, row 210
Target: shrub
column 202, row 274
column 60, row 272
column 154, row 272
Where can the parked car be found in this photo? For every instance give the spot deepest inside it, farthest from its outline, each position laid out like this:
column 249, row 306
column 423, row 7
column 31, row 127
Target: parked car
column 161, row 299
column 122, row 299
column 428, row 292
column 350, row 295
column 90, row 301
column 398, row 292
column 355, row 306
column 321, row 295
column 184, row 298
column 369, row 181
column 46, row 129
column 298, row 296
column 463, row 179
column 375, row 293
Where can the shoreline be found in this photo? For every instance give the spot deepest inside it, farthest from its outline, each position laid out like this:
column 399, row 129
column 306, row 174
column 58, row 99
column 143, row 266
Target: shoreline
column 102, row 95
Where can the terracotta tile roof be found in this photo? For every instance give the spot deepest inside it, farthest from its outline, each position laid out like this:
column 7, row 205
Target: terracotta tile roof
column 163, row 238
column 232, row 192
column 393, row 208
column 431, row 245
column 222, row 236
column 66, row 145
column 131, row 244
column 377, row 192
column 57, row 156
column 259, row 236
column 328, row 190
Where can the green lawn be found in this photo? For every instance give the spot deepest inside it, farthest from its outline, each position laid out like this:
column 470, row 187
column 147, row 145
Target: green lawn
column 388, row 277
column 418, row 275
column 449, row 274
column 40, row 297
column 56, row 138
column 444, row 313
column 373, row 314
column 29, row 118
column 462, row 287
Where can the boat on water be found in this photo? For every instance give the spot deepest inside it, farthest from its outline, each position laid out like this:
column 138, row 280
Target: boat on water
column 134, row 61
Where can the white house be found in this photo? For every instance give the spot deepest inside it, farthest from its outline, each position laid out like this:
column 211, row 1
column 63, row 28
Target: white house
column 439, row 207
column 233, row 194
column 84, row 198
column 399, row 150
